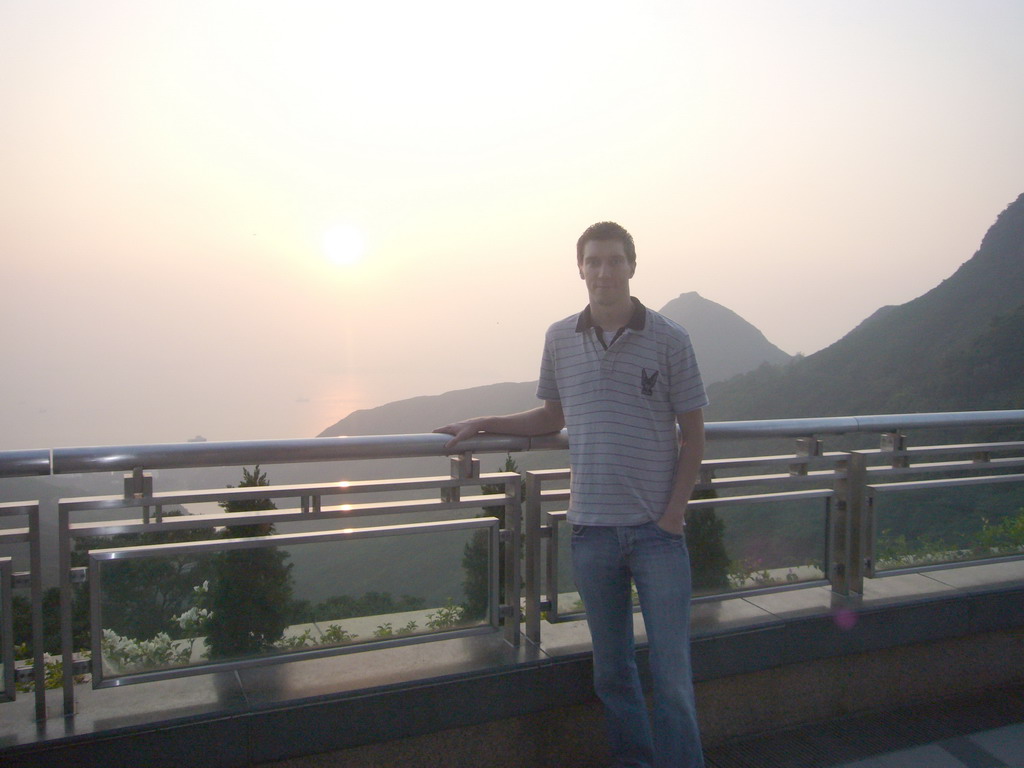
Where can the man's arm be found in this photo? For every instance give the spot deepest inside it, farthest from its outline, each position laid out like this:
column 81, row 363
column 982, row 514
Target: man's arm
column 537, row 421
column 691, row 453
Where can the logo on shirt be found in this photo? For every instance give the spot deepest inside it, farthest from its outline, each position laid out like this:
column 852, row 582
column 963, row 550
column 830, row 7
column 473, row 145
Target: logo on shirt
column 647, row 381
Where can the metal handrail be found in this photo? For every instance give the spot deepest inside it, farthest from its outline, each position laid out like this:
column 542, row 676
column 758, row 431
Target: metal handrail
column 834, row 425
column 25, row 463
column 348, row 448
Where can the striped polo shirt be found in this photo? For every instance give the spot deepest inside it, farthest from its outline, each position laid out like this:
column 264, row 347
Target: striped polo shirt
column 620, row 405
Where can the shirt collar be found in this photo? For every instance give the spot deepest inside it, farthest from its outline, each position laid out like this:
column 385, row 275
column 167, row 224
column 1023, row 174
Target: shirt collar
column 636, row 323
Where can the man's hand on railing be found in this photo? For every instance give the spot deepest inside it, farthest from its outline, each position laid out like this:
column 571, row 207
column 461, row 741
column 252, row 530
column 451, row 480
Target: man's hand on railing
column 544, row 420
column 461, row 430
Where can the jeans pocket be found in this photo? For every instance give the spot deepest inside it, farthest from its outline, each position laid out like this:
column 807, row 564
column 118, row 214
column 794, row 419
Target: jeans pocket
column 659, row 531
column 577, row 530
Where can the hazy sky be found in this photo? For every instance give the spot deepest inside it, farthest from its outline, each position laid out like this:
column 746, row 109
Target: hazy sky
column 246, row 219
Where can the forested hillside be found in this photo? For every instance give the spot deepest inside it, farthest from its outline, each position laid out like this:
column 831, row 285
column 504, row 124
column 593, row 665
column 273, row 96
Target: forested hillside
column 958, row 347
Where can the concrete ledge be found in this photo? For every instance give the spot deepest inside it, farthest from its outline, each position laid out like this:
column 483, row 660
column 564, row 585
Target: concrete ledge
column 839, row 686
column 760, row 663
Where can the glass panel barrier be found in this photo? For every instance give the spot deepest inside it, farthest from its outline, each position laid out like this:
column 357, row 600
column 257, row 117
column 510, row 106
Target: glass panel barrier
column 735, row 544
column 565, row 599
column 931, row 523
column 21, row 617
column 759, row 543
column 172, row 609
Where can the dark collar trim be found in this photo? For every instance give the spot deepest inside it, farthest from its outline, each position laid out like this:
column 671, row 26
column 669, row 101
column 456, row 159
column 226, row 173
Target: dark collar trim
column 636, row 323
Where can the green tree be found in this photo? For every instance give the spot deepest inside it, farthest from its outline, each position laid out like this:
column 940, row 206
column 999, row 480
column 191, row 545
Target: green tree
column 141, row 595
column 475, row 583
column 250, row 589
column 705, row 538
column 21, row 611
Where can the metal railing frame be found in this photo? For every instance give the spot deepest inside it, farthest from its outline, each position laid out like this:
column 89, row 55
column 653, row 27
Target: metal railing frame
column 98, row 557
column 849, row 481
column 29, row 536
column 311, row 508
column 7, row 628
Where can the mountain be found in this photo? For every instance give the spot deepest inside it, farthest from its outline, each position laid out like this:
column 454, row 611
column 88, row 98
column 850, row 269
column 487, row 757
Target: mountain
column 421, row 414
column 960, row 346
column 725, row 345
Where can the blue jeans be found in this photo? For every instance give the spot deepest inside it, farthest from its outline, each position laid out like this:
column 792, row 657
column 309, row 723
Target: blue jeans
column 604, row 560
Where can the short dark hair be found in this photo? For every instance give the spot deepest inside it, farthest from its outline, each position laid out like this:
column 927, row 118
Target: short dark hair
column 606, row 230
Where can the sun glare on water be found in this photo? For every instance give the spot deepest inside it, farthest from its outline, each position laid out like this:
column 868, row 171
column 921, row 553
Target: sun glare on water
column 344, row 245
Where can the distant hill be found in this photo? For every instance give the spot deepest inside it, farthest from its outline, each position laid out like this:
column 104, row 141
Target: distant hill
column 421, row 414
column 960, row 346
column 724, row 342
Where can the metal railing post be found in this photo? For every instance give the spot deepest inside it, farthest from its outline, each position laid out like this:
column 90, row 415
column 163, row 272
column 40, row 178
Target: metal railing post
column 857, row 478
column 465, row 466
column 462, row 467
column 895, row 443
column 806, row 447
column 532, row 558
column 846, row 528
column 35, row 559
column 869, row 534
column 66, row 612
column 7, row 684
column 139, row 485
column 513, row 550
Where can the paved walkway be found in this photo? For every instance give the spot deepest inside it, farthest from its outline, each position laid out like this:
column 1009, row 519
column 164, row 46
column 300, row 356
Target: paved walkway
column 982, row 731
column 987, row 749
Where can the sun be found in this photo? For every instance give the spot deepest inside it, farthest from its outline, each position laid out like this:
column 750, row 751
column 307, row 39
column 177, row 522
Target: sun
column 344, row 245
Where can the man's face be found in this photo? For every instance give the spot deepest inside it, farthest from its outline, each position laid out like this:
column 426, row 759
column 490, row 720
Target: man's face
column 606, row 271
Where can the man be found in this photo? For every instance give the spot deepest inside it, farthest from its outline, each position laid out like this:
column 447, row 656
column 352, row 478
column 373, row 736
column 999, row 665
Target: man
column 621, row 377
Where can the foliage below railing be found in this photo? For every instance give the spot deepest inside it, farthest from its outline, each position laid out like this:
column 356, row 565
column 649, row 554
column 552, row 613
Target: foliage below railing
column 128, row 655
column 54, row 674
column 745, row 574
column 1007, row 535
column 895, row 551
